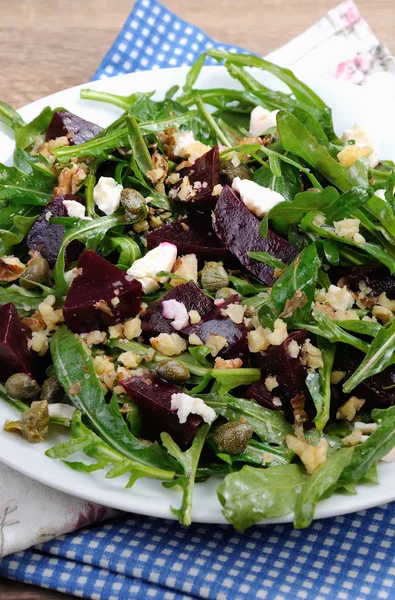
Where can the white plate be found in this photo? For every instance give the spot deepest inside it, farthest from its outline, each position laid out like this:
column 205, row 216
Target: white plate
column 148, row 497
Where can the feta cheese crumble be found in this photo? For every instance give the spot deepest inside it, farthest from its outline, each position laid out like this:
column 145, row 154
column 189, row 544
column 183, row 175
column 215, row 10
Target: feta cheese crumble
column 76, row 209
column 172, row 309
column 187, row 147
column 107, row 195
column 258, row 199
column 362, row 140
column 261, row 120
column 185, row 405
column 145, row 269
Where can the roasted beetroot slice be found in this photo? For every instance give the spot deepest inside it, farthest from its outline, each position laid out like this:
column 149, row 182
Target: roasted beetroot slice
column 277, row 362
column 205, row 170
column 15, row 356
column 215, row 323
column 47, row 237
column 377, row 391
column 91, row 302
column 377, row 278
column 189, row 294
column 193, row 235
column 259, row 392
column 152, row 397
column 238, row 230
column 76, row 128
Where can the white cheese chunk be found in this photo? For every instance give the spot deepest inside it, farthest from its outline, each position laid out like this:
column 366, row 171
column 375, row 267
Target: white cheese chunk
column 61, row 411
column 145, row 269
column 363, row 139
column 75, row 209
column 187, row 147
column 258, row 199
column 107, row 194
column 261, row 120
column 339, row 298
column 185, row 405
column 172, row 309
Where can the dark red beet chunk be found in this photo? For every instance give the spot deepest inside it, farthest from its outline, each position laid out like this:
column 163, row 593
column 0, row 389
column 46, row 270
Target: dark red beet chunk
column 377, row 391
column 152, row 397
column 47, row 237
column 88, row 304
column 15, row 356
column 205, row 170
column 189, row 294
column 238, row 230
column 216, row 324
column 377, row 278
column 76, row 128
column 290, row 374
column 193, row 235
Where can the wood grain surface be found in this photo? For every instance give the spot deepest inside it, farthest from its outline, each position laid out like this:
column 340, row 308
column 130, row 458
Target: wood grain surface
column 46, row 46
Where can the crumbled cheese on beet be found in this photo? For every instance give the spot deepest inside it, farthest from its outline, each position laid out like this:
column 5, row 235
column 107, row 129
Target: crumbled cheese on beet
column 185, row 405
column 173, row 309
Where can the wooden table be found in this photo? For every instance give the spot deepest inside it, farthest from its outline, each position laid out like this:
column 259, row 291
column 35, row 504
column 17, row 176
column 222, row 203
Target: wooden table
column 49, row 46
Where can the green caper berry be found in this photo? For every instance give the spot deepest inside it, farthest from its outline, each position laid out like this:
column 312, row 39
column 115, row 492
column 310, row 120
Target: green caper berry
column 214, row 277
column 36, row 271
column 51, row 390
column 172, row 371
column 22, row 387
column 225, row 293
column 230, row 171
column 134, row 204
column 233, row 437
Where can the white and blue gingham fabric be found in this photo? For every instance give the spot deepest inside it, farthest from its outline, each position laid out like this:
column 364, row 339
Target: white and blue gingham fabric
column 346, row 558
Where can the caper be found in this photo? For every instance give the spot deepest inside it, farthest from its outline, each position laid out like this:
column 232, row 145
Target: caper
column 214, row 277
column 36, row 271
column 22, row 387
column 134, row 204
column 225, row 293
column 172, row 371
column 51, row 390
column 233, row 437
column 230, row 171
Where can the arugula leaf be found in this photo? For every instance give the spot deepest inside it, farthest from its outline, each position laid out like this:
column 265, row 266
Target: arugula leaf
column 268, row 259
column 269, row 425
column 85, row 440
column 378, row 357
column 296, row 138
column 382, row 210
column 25, row 135
column 252, row 494
column 25, row 301
column 193, row 73
column 311, row 124
column 189, row 461
column 36, row 188
column 139, row 148
column 9, row 116
column 227, row 379
column 378, row 444
column 298, row 88
column 76, row 373
column 347, row 203
column 291, row 213
column 297, row 284
column 369, row 328
column 246, row 288
column 317, row 484
column 288, row 183
column 128, row 249
column 328, row 329
column 319, row 384
column 374, row 250
column 90, row 233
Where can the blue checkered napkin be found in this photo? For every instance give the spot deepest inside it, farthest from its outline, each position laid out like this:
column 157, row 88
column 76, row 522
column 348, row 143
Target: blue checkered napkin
column 346, row 558
column 152, row 38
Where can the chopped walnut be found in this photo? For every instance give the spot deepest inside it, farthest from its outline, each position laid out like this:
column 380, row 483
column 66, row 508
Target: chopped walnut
column 298, row 300
column 300, row 415
column 130, row 359
column 234, row 312
column 231, row 363
column 11, row 268
column 350, row 154
column 271, row 383
column 103, row 306
column 194, row 317
column 349, row 409
column 354, row 438
column 195, row 340
column 337, row 377
column 185, row 267
column 69, row 180
column 293, row 349
column 311, row 356
column 132, row 328
column 216, row 343
column 169, row 344
column 386, row 302
column 159, row 172
column 311, row 456
column 94, row 337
